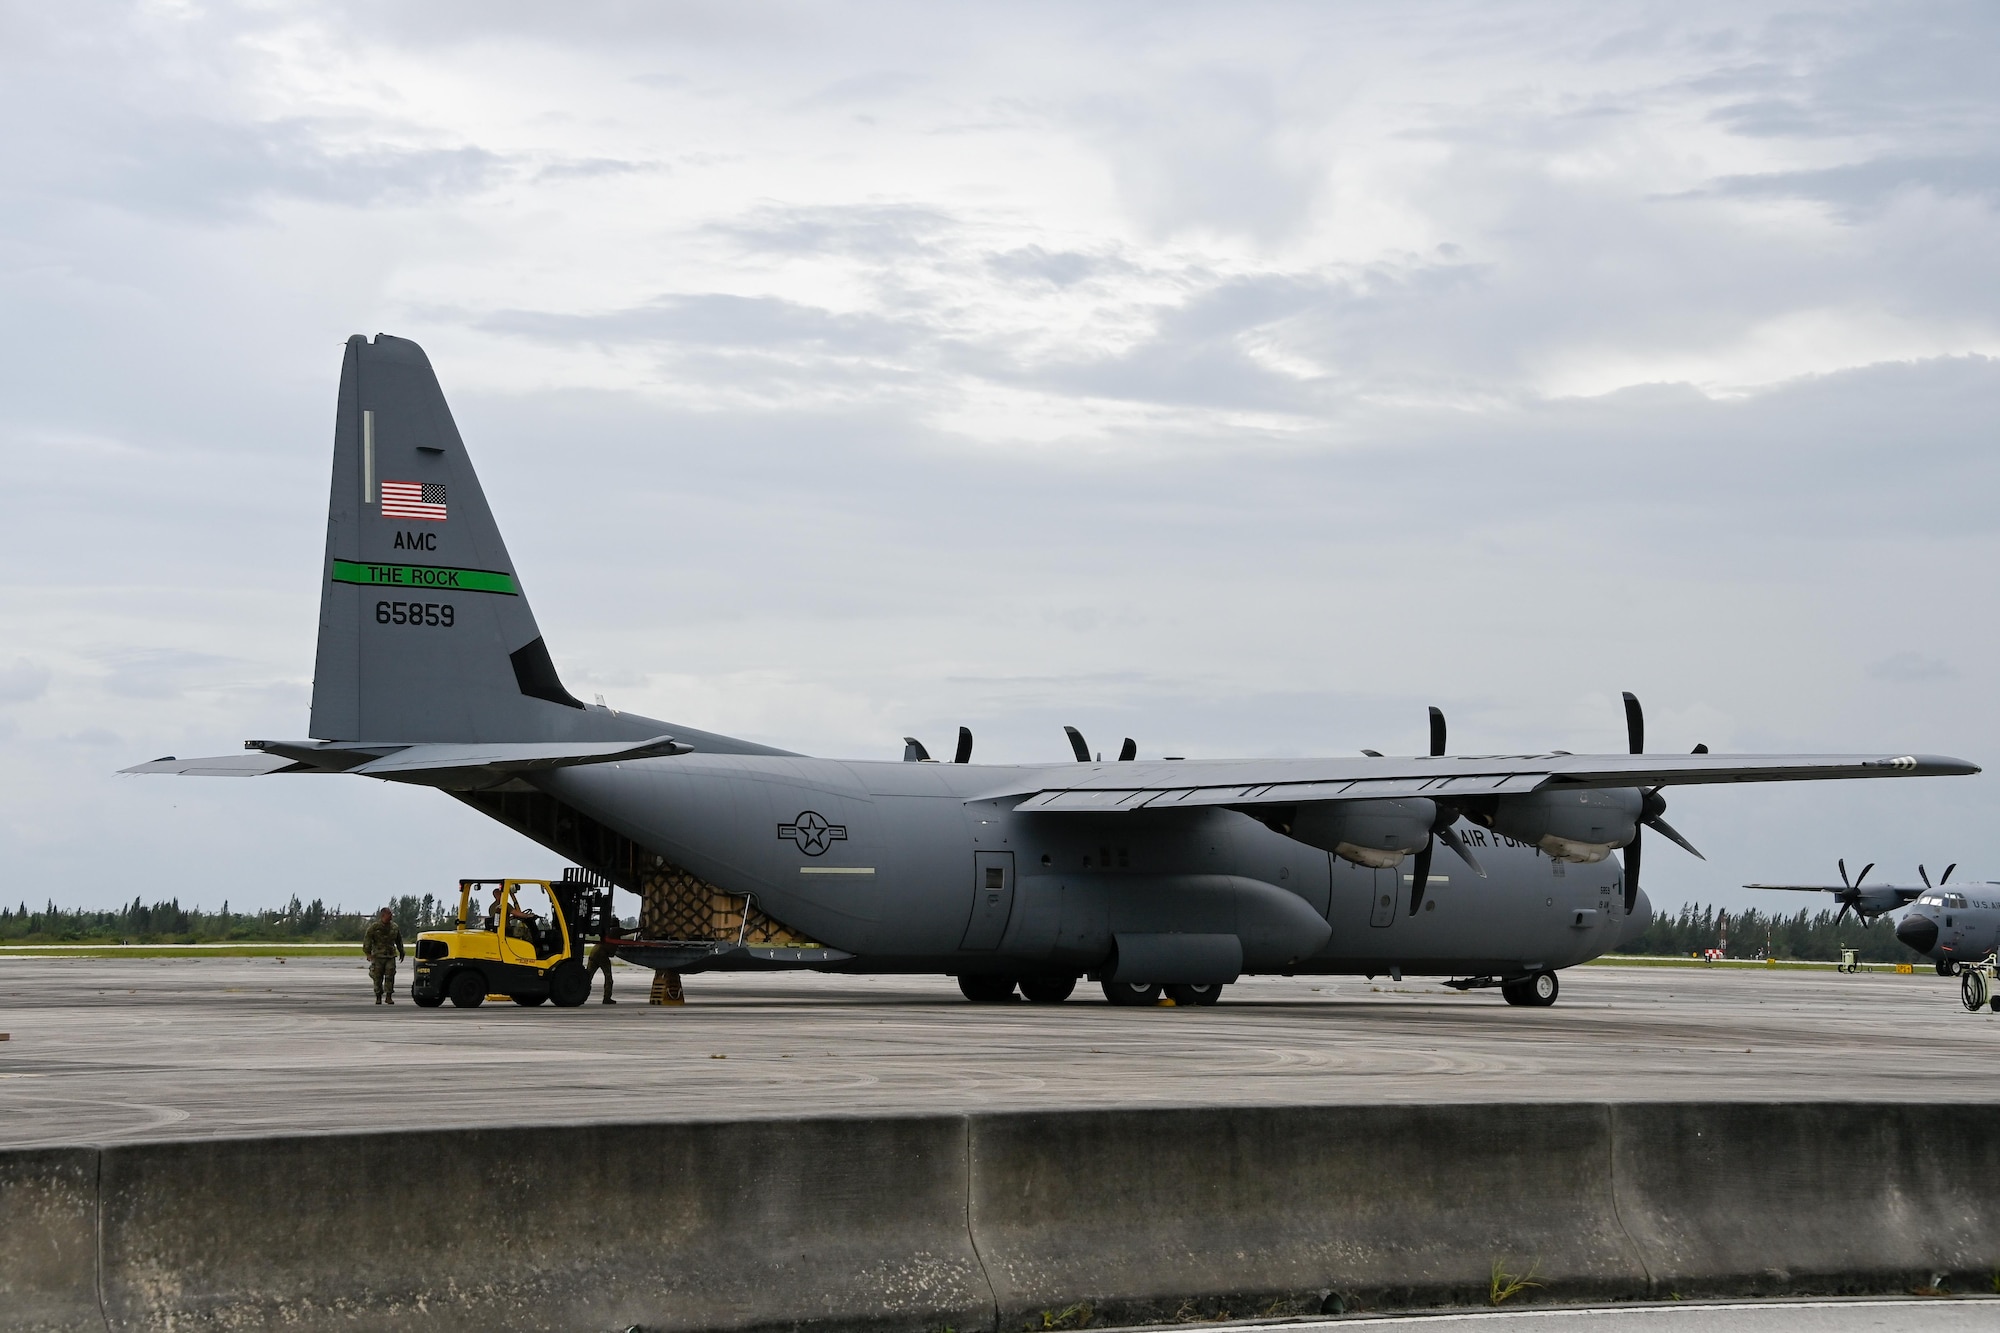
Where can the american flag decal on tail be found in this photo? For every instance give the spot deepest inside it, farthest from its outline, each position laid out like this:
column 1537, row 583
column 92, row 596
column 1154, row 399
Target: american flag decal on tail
column 413, row 499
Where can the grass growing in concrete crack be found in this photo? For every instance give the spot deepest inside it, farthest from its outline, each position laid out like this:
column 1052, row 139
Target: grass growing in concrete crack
column 1503, row 1285
column 1076, row 1316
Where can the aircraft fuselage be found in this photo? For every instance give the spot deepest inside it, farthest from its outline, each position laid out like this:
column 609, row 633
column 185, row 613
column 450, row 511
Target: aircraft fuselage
column 906, row 867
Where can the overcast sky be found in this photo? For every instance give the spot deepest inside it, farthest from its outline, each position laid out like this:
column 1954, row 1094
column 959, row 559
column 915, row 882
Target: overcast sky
column 1240, row 378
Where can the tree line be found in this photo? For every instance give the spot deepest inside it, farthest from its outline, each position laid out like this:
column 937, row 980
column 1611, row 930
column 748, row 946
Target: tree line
column 139, row 922
column 1807, row 936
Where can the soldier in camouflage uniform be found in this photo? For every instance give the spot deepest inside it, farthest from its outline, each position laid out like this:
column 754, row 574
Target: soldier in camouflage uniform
column 383, row 945
column 601, row 955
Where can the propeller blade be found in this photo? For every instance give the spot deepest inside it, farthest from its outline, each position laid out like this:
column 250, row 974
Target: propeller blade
column 1635, row 724
column 1864, row 874
column 1699, row 749
column 1923, row 875
column 1842, row 914
column 914, row 751
column 1437, row 731
column 1128, row 751
column 1632, row 870
column 1945, row 878
column 1076, row 745
column 1451, row 839
column 1422, row 877
column 964, row 755
column 1660, row 825
column 1843, row 873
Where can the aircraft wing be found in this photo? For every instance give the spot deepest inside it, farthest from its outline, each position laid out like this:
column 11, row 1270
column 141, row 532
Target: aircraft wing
column 450, row 765
column 1107, row 788
column 1904, row 893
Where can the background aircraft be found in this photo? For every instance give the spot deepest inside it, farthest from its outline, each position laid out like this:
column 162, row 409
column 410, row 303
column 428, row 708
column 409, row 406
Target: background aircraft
column 1953, row 927
column 1948, row 926
column 1168, row 873
column 1868, row 903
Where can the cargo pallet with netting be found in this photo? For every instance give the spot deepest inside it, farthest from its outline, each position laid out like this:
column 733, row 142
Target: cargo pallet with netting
column 687, row 924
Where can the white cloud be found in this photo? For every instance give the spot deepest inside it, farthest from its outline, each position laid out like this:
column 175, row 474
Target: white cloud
column 22, row 681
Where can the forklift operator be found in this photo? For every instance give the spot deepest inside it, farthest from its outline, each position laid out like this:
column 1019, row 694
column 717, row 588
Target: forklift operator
column 520, row 925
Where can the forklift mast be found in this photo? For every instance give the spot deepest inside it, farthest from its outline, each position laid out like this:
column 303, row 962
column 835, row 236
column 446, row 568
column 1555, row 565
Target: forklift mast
column 585, row 899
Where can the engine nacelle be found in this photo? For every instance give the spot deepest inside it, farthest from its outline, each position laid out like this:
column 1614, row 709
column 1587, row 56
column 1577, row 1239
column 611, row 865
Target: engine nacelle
column 1378, row 834
column 1874, row 902
column 1570, row 825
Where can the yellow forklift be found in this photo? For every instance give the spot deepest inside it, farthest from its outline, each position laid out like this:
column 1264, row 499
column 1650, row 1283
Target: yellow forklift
column 516, row 939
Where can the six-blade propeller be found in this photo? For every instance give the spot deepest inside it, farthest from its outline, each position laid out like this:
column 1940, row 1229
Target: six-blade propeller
column 1651, row 808
column 1442, row 830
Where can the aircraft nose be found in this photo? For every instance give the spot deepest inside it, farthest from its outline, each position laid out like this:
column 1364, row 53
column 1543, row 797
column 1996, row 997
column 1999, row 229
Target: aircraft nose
column 1919, row 932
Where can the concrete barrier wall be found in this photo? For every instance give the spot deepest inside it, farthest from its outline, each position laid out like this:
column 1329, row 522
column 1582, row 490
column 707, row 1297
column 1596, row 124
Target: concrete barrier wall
column 1744, row 1197
column 48, row 1239
column 760, row 1224
column 994, row 1222
column 1148, row 1215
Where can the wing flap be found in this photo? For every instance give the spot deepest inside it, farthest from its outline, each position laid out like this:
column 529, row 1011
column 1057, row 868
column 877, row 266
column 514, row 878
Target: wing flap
column 1124, row 787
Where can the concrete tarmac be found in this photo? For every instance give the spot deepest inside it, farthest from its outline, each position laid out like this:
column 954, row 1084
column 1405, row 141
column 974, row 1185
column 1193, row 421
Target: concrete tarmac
column 103, row 1051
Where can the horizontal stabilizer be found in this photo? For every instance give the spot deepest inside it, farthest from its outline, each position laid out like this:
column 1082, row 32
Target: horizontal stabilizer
column 443, row 765
column 417, row 762
column 223, row 766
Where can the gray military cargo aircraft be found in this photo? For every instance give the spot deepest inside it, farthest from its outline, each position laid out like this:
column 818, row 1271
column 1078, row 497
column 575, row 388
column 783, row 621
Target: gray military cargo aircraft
column 1174, row 874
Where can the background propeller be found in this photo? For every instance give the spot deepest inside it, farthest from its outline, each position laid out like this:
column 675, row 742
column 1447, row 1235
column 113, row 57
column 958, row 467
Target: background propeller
column 964, row 755
column 1076, row 745
column 1652, row 805
column 1852, row 897
column 1128, row 751
column 1943, row 879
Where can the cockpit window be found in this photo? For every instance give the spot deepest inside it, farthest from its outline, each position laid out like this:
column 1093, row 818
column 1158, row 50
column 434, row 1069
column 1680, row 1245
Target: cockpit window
column 1954, row 900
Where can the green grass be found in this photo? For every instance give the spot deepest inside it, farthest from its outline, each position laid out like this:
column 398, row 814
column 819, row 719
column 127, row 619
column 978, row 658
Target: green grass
column 242, row 949
column 1794, row 965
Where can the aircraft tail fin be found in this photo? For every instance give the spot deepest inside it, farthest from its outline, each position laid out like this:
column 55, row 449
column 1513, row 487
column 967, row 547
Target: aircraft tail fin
column 425, row 633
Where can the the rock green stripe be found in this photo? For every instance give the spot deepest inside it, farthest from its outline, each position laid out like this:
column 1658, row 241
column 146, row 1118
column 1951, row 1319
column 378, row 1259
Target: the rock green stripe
column 427, row 578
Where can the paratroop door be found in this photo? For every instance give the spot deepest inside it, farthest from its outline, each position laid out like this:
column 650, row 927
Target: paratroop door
column 992, row 899
column 1382, row 912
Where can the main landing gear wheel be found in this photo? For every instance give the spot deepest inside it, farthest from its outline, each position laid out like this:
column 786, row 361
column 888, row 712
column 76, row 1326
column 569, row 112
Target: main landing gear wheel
column 1537, row 990
column 1945, row 967
column 467, row 990
column 987, row 990
column 1130, row 992
column 1189, row 994
column 1047, row 990
column 1973, row 992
